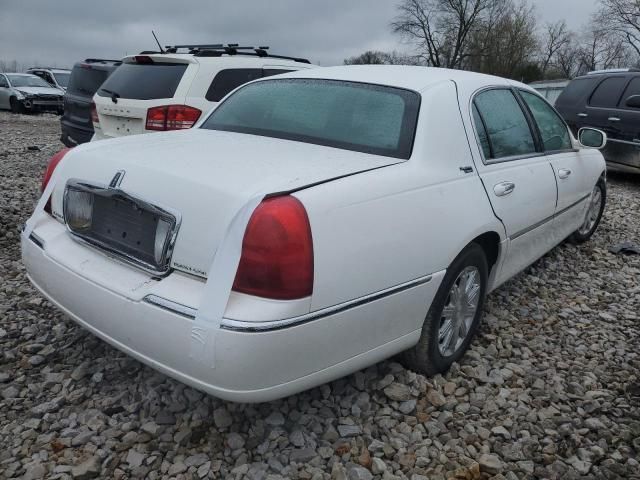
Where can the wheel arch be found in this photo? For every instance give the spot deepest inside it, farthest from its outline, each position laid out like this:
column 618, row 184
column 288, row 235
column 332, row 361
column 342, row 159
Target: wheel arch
column 490, row 244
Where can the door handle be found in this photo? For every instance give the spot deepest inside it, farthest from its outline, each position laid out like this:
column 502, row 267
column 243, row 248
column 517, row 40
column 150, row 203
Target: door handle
column 504, row 188
column 583, row 115
column 614, row 119
column 564, row 173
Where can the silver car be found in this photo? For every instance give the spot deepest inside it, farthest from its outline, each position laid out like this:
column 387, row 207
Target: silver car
column 23, row 92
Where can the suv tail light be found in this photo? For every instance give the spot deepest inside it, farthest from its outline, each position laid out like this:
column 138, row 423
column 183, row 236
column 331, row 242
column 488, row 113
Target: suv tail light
column 277, row 252
column 51, row 166
column 172, row 117
column 94, row 113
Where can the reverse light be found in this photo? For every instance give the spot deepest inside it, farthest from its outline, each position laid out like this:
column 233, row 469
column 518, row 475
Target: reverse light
column 51, row 166
column 161, row 239
column 78, row 209
column 172, row 117
column 277, row 252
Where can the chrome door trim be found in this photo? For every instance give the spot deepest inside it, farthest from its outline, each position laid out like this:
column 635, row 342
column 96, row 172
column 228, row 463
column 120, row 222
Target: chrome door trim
column 626, row 142
column 524, row 231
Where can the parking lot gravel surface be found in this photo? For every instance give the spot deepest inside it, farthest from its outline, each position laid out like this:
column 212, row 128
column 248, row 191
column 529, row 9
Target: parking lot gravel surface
column 549, row 389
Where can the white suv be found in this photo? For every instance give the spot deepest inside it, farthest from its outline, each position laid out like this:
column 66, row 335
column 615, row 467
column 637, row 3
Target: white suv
column 171, row 90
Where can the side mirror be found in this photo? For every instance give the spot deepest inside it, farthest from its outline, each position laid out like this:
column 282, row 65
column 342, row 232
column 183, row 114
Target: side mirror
column 633, row 101
column 592, row 138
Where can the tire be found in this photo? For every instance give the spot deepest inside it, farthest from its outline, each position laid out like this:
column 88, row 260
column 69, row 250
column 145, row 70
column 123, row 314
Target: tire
column 426, row 356
column 16, row 107
column 593, row 214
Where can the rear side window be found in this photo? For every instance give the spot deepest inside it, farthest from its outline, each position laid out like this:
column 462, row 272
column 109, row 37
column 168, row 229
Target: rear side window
column 144, row 81
column 577, row 90
column 632, row 89
column 85, row 81
column 554, row 132
column 608, row 92
column 227, row 80
column 506, row 126
column 347, row 115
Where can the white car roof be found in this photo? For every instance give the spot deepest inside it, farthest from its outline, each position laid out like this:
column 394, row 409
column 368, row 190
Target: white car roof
column 409, row 77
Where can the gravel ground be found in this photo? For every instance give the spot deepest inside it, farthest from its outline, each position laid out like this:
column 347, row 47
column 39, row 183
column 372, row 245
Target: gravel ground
column 549, row 389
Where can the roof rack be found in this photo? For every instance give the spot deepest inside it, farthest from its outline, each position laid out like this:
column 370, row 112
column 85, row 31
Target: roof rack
column 219, row 49
column 614, row 70
column 100, row 60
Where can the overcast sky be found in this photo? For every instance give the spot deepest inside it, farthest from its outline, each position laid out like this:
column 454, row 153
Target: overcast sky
column 326, row 31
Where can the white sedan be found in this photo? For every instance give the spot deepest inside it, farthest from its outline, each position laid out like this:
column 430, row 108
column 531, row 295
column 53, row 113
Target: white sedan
column 313, row 224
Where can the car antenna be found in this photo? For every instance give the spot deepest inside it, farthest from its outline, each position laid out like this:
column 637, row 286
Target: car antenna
column 159, row 46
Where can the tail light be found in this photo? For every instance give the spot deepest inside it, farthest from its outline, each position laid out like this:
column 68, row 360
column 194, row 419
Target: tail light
column 94, row 113
column 172, row 117
column 48, row 173
column 277, row 252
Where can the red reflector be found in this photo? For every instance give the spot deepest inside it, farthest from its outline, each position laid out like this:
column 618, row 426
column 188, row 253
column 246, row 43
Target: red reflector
column 277, row 252
column 51, row 166
column 94, row 113
column 172, row 117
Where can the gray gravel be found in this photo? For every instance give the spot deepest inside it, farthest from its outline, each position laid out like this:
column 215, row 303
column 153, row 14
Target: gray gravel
column 549, row 389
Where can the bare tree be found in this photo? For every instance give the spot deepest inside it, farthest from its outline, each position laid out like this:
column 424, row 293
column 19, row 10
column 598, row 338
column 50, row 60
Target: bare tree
column 556, row 37
column 374, row 57
column 440, row 29
column 567, row 61
column 506, row 43
column 623, row 18
column 370, row 57
column 601, row 49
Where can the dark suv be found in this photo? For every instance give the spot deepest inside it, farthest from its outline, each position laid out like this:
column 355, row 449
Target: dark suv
column 610, row 101
column 86, row 78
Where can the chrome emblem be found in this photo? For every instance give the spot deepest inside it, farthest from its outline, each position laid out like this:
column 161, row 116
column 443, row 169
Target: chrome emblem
column 117, row 179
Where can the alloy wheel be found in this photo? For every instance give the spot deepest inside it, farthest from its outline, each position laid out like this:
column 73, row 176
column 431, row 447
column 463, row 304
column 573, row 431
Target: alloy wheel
column 593, row 211
column 459, row 311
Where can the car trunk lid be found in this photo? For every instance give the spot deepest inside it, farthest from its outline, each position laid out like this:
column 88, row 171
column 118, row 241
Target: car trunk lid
column 207, row 177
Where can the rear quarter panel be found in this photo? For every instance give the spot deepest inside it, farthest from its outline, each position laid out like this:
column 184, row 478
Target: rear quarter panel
column 379, row 229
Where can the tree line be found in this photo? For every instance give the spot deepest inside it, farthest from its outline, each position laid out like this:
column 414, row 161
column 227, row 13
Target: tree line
column 504, row 37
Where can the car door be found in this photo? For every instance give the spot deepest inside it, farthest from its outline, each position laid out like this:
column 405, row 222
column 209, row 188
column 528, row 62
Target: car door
column 602, row 104
column 5, row 92
column 571, row 178
column 517, row 177
column 624, row 149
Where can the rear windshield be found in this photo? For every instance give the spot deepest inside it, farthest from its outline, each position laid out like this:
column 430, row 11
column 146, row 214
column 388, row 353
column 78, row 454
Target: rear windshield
column 85, row 81
column 144, row 81
column 352, row 116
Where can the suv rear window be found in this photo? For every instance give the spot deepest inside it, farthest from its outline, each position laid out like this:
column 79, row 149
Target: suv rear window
column 230, row 79
column 575, row 91
column 351, row 116
column 144, row 81
column 608, row 92
column 85, row 81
